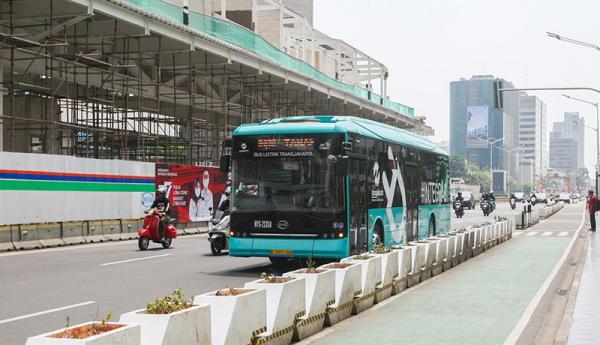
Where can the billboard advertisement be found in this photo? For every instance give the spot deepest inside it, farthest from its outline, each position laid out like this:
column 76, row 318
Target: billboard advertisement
column 193, row 191
column 477, row 127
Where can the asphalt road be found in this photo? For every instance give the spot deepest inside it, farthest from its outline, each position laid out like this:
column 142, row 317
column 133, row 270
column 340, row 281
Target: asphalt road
column 40, row 289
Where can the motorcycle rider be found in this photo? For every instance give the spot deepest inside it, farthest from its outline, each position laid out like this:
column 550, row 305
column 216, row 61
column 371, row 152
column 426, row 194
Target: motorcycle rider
column 161, row 203
column 512, row 199
column 491, row 198
column 224, row 206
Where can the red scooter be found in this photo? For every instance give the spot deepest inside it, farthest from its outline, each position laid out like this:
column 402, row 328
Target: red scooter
column 150, row 231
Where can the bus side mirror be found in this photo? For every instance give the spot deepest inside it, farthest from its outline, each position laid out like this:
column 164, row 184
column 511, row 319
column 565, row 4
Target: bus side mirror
column 224, row 163
column 343, row 166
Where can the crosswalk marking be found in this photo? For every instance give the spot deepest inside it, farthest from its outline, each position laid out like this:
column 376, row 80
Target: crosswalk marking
column 547, row 233
column 563, row 233
column 533, row 233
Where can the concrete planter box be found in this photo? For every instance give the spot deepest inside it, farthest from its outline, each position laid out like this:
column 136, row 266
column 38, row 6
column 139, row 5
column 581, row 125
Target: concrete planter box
column 320, row 293
column 347, row 286
column 389, row 273
column 451, row 254
column 419, row 257
column 185, row 327
column 370, row 279
column 459, row 253
column 430, row 249
column 486, row 237
column 404, row 268
column 468, row 242
column 235, row 319
column 442, row 262
column 125, row 335
column 285, row 303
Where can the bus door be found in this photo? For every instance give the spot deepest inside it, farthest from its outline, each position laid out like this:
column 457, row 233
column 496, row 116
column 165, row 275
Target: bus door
column 412, row 187
column 357, row 177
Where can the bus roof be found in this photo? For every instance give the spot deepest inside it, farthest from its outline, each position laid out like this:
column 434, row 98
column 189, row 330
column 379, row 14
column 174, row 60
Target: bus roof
column 338, row 124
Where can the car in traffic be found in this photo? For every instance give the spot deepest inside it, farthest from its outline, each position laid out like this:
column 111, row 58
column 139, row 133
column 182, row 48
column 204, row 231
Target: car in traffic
column 564, row 197
column 519, row 196
column 469, row 200
column 541, row 197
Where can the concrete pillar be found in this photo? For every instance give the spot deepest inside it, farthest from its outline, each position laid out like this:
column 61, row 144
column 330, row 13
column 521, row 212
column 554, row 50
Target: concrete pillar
column 224, row 8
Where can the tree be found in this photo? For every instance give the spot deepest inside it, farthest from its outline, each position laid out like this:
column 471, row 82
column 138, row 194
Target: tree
column 469, row 172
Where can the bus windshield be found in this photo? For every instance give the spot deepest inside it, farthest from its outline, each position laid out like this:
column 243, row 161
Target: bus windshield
column 287, row 173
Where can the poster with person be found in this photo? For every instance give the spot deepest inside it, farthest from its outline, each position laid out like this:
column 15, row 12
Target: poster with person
column 194, row 191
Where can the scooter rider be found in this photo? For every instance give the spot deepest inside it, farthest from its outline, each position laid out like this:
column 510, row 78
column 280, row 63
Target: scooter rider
column 459, row 197
column 224, row 206
column 161, row 203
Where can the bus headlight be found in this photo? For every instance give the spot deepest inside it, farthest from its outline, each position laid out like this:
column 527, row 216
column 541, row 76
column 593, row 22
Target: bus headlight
column 232, row 233
column 341, row 235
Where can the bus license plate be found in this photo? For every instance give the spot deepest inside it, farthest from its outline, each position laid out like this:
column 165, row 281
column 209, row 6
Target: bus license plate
column 282, row 252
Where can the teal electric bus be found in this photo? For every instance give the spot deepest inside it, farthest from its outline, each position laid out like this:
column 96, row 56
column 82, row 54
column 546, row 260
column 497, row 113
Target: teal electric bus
column 331, row 186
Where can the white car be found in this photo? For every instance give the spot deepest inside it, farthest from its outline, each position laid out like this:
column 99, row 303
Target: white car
column 564, row 197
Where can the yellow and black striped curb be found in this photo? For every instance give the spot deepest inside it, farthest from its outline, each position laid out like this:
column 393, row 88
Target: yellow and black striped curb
column 385, row 287
column 310, row 319
column 357, row 293
column 254, row 340
column 364, row 297
column 331, row 310
column 275, row 335
column 300, row 314
column 330, row 303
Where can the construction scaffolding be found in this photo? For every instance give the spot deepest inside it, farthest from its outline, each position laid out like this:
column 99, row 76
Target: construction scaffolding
column 86, row 79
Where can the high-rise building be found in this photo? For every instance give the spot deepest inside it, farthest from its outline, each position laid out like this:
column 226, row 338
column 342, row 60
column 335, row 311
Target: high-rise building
column 477, row 116
column 563, row 156
column 533, row 137
column 567, row 143
column 304, row 8
column 574, row 128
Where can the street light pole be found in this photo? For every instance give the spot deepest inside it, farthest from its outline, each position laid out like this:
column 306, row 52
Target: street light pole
column 596, row 105
column 492, row 142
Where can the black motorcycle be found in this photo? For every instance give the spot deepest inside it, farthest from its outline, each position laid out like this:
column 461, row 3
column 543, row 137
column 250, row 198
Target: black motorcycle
column 459, row 209
column 486, row 207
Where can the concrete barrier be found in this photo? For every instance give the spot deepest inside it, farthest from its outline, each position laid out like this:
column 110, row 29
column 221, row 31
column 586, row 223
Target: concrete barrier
column 451, row 258
column 285, row 304
column 94, row 232
column 389, row 272
column 320, row 293
column 418, row 261
column 74, row 232
column 27, row 237
column 50, row 235
column 370, row 278
column 111, row 230
column 129, row 228
column 404, row 268
column 6, row 239
column 441, row 248
column 235, row 319
column 347, row 286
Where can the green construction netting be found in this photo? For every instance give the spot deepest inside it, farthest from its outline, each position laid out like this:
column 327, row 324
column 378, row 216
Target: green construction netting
column 244, row 38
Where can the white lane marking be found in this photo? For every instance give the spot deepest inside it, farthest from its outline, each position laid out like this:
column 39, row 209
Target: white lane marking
column 547, row 233
column 136, row 259
column 563, row 233
column 533, row 233
column 517, row 233
column 86, row 246
column 46, row 312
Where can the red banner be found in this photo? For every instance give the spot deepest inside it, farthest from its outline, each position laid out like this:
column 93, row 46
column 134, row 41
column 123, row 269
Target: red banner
column 194, row 191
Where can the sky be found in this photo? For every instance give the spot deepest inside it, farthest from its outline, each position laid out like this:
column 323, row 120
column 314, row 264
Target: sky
column 425, row 44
